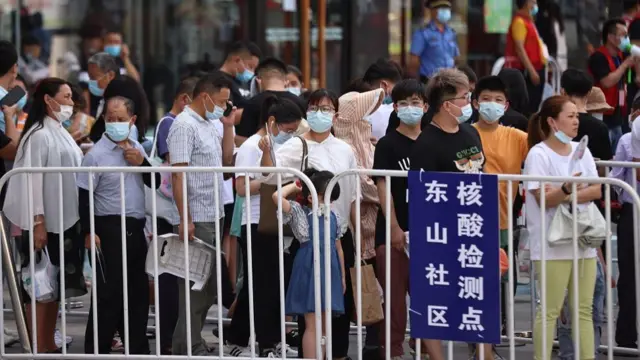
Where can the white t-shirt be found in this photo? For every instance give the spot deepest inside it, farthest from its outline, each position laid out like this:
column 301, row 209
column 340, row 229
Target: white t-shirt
column 543, row 161
column 635, row 140
column 380, row 120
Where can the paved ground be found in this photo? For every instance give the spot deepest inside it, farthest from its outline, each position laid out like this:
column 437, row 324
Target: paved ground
column 76, row 328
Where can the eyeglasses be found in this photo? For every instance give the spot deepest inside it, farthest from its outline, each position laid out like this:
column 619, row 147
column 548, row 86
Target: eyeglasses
column 416, row 103
column 466, row 97
column 323, row 109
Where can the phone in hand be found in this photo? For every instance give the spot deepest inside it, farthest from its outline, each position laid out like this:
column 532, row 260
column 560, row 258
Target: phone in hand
column 12, row 97
column 228, row 110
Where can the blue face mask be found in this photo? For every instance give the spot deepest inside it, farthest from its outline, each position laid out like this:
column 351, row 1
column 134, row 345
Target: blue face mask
column 113, row 50
column 245, row 76
column 117, row 131
column 562, row 137
column 491, row 111
column 94, row 89
column 319, row 122
column 282, row 137
column 22, row 102
column 215, row 114
column 387, row 100
column 444, row 15
column 294, row 90
column 534, row 10
column 625, row 44
column 410, row 115
column 66, row 124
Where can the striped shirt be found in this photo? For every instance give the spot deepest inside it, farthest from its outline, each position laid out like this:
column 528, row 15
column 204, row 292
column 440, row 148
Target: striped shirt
column 195, row 141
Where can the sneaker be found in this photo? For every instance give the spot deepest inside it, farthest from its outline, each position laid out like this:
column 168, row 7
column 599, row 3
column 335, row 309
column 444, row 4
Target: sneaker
column 236, row 351
column 270, row 354
column 116, row 344
column 10, row 338
column 288, row 350
column 293, row 338
column 58, row 339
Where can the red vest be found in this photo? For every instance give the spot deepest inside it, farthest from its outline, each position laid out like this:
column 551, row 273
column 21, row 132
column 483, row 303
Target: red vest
column 612, row 94
column 531, row 46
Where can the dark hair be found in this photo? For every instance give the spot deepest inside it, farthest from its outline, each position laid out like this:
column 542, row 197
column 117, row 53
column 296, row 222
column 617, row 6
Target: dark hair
column 186, row 86
column 113, row 29
column 305, row 96
column 521, row 3
column 576, row 83
column 610, row 27
column 273, row 66
column 8, row 57
column 77, row 95
column 211, row 83
column 382, row 70
column 283, row 110
column 490, row 83
column 444, row 85
column 320, row 180
column 238, row 48
column 29, row 39
column 38, row 109
column 254, row 49
column 471, row 75
column 358, row 85
column 630, row 5
column 129, row 105
column 406, row 89
column 316, row 97
column 636, row 104
column 91, row 31
column 127, row 87
column 21, row 79
column 295, row 71
column 517, row 89
column 539, row 128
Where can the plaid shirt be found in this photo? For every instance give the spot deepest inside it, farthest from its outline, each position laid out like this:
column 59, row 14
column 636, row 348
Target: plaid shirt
column 196, row 142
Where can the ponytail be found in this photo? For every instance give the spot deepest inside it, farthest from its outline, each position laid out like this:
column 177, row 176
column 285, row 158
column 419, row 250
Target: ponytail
column 285, row 111
column 539, row 128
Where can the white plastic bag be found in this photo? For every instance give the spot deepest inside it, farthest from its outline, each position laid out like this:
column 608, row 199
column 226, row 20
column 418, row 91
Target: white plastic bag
column 524, row 257
column 45, row 279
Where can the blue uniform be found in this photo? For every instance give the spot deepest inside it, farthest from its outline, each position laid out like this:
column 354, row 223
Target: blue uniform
column 436, row 49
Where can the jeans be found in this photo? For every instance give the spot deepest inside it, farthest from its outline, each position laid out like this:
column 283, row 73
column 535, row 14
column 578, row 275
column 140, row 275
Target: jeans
column 614, row 135
column 564, row 329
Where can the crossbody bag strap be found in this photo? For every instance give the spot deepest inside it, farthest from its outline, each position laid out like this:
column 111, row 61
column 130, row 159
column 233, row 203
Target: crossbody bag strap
column 304, row 164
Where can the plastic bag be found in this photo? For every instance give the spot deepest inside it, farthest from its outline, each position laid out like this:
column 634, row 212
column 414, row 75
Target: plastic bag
column 524, row 257
column 45, row 279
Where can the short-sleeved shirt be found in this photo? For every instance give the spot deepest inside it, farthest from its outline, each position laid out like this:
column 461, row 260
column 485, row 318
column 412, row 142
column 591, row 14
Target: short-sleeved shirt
column 437, row 150
column 599, row 141
column 519, row 33
column 195, row 141
column 236, row 98
column 4, row 141
column 392, row 153
column 250, row 119
column 505, row 149
column 599, row 68
column 436, row 49
column 106, row 186
column 162, row 134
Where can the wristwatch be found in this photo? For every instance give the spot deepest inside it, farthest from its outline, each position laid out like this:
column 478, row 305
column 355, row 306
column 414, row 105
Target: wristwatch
column 565, row 190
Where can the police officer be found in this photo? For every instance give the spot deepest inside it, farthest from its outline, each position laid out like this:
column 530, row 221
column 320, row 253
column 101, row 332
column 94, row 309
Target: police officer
column 435, row 46
column 115, row 148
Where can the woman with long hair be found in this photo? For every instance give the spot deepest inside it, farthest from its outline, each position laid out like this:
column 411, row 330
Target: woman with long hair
column 551, row 154
column 45, row 143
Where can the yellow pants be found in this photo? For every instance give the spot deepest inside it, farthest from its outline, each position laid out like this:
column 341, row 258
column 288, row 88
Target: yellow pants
column 559, row 278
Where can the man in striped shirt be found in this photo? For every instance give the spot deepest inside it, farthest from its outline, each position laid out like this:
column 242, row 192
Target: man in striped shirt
column 194, row 141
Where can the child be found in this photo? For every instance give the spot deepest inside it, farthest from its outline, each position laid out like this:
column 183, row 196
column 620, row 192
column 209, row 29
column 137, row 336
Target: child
column 300, row 299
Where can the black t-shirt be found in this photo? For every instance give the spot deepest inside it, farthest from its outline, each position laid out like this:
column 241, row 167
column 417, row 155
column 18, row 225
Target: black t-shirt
column 599, row 68
column 392, row 153
column 437, row 150
column 250, row 119
column 599, row 142
column 514, row 119
column 4, row 141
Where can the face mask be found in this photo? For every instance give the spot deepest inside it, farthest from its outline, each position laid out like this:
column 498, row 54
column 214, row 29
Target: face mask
column 562, row 137
column 534, row 10
column 598, row 116
column 66, row 124
column 113, row 50
column 410, row 115
column 467, row 111
column 117, row 131
column 491, row 111
column 245, row 76
column 387, row 100
column 94, row 89
column 444, row 15
column 294, row 90
column 625, row 43
column 282, row 137
column 215, row 114
column 22, row 102
column 319, row 122
column 64, row 113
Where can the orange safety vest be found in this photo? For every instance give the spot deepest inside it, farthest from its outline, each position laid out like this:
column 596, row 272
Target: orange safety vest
column 612, row 94
column 531, row 46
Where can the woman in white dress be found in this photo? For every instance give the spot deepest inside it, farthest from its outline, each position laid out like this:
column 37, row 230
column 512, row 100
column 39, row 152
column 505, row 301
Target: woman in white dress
column 45, row 143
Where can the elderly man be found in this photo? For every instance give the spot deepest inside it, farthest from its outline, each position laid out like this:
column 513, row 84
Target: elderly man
column 102, row 69
column 116, row 148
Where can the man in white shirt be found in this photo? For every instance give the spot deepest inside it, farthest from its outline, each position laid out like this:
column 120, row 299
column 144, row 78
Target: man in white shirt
column 382, row 74
column 194, row 141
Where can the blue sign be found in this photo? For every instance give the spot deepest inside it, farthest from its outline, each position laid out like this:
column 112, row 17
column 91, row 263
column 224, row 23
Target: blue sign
column 454, row 257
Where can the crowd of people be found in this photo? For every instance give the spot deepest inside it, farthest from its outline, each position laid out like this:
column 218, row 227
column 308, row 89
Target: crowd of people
column 254, row 111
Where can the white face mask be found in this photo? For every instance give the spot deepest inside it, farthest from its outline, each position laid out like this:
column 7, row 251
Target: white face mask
column 65, row 112
column 598, row 116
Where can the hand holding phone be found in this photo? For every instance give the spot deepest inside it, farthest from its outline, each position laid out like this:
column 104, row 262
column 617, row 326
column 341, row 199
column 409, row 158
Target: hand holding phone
column 12, row 97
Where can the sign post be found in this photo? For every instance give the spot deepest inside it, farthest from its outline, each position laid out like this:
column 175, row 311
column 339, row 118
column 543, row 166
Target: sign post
column 454, row 262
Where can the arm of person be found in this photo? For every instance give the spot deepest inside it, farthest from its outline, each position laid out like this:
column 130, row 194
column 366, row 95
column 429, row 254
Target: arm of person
column 254, row 186
column 82, row 181
column 128, row 64
column 519, row 33
column 537, row 164
column 418, row 46
column 178, row 196
column 228, row 135
column 599, row 67
column 180, row 143
column 288, row 155
column 341, row 260
column 10, row 139
column 286, row 192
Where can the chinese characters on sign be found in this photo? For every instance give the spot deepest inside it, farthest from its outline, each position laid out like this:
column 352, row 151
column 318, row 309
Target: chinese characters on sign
column 455, row 275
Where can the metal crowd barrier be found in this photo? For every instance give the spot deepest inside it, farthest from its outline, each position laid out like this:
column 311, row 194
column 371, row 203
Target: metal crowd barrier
column 511, row 338
column 552, row 66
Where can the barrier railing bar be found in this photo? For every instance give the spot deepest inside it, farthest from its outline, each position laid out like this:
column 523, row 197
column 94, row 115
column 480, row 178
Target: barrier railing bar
column 281, row 289
column 34, row 333
column 510, row 293
column 187, row 283
column 154, row 244
column 609, row 268
column 218, row 255
column 94, row 284
column 252, row 326
column 62, row 272
column 358, row 265
column 125, row 279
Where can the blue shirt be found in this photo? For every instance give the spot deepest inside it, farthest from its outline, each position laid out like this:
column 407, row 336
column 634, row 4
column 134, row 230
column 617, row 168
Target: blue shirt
column 163, row 133
column 106, row 186
column 436, row 49
column 624, row 153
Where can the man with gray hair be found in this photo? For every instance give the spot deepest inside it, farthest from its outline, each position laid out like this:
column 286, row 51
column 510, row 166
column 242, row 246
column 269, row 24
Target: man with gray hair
column 116, row 148
column 102, row 69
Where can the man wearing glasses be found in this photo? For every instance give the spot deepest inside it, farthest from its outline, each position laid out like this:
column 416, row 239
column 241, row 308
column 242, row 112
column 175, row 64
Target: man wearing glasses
column 452, row 143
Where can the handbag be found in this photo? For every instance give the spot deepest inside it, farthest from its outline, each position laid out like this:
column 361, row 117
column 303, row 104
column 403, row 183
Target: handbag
column 164, row 198
column 591, row 226
column 268, row 223
column 372, row 295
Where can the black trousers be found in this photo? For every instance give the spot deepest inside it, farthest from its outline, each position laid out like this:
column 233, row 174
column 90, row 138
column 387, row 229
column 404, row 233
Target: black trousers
column 168, row 297
column 110, row 291
column 239, row 328
column 341, row 325
column 535, row 92
column 626, row 332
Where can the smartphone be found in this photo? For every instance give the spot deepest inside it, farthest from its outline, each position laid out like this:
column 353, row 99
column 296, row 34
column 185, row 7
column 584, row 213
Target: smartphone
column 12, row 97
column 228, row 110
